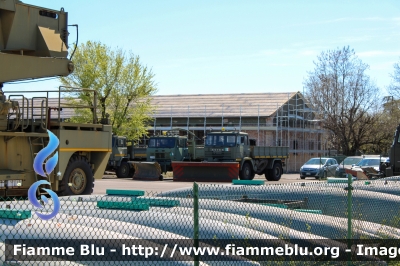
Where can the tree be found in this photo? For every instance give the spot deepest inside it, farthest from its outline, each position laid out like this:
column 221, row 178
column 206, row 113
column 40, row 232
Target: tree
column 391, row 108
column 389, row 120
column 394, row 87
column 122, row 83
column 345, row 100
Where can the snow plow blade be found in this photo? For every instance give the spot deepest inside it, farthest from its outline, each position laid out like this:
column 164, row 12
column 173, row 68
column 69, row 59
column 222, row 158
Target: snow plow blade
column 205, row 171
column 146, row 171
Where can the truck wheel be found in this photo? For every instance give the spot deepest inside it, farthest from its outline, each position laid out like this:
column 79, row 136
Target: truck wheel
column 78, row 178
column 123, row 170
column 247, row 172
column 275, row 173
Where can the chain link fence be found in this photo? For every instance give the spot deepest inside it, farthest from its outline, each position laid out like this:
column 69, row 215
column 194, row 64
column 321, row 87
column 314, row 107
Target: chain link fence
column 238, row 224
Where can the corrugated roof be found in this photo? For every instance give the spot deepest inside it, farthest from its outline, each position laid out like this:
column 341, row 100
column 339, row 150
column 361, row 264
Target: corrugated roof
column 213, row 105
column 202, row 105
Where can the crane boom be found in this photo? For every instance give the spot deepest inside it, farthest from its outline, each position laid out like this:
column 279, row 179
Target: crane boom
column 33, row 42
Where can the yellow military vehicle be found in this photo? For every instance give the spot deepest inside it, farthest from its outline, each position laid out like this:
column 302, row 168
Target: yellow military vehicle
column 34, row 44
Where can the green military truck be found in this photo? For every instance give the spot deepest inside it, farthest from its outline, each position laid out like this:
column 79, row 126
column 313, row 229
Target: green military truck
column 122, row 152
column 225, row 152
column 35, row 45
column 161, row 151
column 392, row 166
column 164, row 149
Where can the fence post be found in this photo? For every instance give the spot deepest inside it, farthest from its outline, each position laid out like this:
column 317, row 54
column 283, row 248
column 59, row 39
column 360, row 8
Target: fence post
column 349, row 216
column 196, row 220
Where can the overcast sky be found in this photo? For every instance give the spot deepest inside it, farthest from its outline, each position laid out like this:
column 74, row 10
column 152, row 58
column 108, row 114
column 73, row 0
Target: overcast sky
column 228, row 46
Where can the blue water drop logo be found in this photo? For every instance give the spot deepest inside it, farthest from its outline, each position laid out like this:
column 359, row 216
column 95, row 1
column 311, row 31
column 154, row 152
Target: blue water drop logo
column 32, row 198
column 49, row 167
column 44, row 153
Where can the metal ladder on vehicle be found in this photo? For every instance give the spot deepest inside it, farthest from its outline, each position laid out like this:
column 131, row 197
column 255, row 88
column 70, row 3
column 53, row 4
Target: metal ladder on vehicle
column 41, row 115
column 38, row 142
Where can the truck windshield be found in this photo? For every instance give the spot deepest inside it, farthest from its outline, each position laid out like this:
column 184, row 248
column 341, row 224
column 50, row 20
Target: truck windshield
column 121, row 142
column 221, row 140
column 162, row 143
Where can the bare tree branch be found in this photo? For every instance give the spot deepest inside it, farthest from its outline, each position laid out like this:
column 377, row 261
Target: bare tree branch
column 345, row 99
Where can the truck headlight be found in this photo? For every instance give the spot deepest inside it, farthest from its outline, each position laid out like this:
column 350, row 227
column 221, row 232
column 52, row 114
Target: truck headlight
column 172, row 154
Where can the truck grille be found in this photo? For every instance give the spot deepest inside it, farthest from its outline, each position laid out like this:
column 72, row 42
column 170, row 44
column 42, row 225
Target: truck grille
column 216, row 155
column 160, row 155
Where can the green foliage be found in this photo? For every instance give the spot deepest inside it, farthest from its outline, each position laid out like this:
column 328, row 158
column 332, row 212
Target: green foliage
column 123, row 86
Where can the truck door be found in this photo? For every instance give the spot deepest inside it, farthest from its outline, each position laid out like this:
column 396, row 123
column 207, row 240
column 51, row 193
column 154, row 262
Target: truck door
column 114, row 146
column 246, row 147
column 395, row 153
column 183, row 150
column 243, row 146
column 122, row 148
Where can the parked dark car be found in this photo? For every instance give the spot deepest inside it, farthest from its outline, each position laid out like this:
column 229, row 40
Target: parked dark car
column 347, row 163
column 319, row 167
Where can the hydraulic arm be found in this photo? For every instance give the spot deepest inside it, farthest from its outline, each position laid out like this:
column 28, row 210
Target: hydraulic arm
column 33, row 42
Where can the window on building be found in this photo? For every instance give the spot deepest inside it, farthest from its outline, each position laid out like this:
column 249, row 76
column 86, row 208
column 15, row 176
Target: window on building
column 311, row 145
column 295, row 144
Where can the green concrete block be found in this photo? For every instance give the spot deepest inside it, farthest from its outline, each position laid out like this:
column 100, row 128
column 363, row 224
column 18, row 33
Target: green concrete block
column 338, row 180
column 157, row 202
column 248, row 182
column 15, row 214
column 309, row 211
column 123, row 205
column 124, row 192
column 283, row 206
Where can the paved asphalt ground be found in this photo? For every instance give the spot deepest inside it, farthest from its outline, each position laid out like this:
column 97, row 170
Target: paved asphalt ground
column 112, row 182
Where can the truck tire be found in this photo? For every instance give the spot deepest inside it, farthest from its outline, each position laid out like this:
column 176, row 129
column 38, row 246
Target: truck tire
column 247, row 172
column 80, row 175
column 275, row 173
column 123, row 170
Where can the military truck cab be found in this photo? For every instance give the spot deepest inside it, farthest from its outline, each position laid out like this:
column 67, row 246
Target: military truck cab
column 119, row 149
column 392, row 168
column 226, row 146
column 119, row 156
column 165, row 149
column 234, row 146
